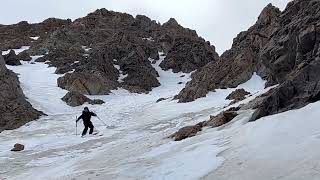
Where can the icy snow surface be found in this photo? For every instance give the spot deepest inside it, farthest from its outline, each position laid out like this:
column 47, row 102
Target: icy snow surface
column 137, row 148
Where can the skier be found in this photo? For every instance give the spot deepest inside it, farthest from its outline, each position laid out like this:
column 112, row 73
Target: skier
column 86, row 117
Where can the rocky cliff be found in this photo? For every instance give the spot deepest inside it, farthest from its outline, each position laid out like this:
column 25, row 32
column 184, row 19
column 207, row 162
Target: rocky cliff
column 282, row 47
column 14, row 109
column 238, row 64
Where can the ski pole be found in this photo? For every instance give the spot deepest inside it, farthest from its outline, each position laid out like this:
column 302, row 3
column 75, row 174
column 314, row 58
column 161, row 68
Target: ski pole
column 102, row 121
column 76, row 126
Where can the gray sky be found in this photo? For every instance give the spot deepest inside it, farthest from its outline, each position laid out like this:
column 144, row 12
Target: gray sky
column 218, row 21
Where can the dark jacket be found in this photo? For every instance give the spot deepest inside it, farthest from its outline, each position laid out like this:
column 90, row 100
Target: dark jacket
column 86, row 116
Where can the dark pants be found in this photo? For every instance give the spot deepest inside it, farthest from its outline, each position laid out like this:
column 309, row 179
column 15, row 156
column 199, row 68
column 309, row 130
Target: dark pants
column 86, row 126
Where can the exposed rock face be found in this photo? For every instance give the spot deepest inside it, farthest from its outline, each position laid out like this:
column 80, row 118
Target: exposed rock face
column 294, row 57
column 14, row 109
column 12, row 59
column 237, row 95
column 141, row 75
column 238, row 64
column 92, row 76
column 76, row 99
column 185, row 50
column 282, row 47
column 64, row 59
column 169, row 31
column 189, row 54
column 86, row 83
column 18, row 35
column 18, row 147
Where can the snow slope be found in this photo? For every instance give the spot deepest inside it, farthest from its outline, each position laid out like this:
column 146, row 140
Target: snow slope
column 136, row 146
column 283, row 146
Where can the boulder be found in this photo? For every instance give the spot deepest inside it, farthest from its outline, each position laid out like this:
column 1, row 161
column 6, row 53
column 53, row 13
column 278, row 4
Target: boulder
column 41, row 59
column 18, row 147
column 186, row 132
column 237, row 95
column 24, row 56
column 96, row 101
column 161, row 99
column 220, row 119
column 12, row 59
column 86, row 83
column 74, row 99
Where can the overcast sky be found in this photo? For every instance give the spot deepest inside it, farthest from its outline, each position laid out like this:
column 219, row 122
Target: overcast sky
column 218, row 21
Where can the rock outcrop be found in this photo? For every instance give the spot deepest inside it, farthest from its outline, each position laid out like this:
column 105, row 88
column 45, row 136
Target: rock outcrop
column 220, row 119
column 14, row 109
column 12, row 59
column 186, row 132
column 142, row 77
column 86, row 83
column 237, row 95
column 24, row 56
column 74, row 99
column 238, row 64
column 94, row 75
column 214, row 121
column 293, row 55
column 188, row 54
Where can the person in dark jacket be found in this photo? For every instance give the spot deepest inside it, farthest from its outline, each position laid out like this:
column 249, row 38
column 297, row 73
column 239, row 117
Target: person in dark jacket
column 86, row 117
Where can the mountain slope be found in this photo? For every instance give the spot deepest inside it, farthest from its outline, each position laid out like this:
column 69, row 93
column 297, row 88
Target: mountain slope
column 136, row 66
column 107, row 45
column 282, row 47
column 133, row 147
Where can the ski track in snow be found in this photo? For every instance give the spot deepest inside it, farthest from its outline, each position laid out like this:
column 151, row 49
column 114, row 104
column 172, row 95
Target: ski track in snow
column 137, row 147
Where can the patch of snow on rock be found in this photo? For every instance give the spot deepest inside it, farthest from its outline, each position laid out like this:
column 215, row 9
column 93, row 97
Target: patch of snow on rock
column 35, row 37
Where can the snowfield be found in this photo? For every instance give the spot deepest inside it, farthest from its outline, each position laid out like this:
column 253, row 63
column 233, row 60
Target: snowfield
column 283, row 146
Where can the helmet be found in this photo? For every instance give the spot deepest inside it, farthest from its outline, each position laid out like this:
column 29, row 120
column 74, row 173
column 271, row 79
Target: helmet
column 86, row 109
